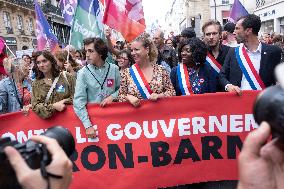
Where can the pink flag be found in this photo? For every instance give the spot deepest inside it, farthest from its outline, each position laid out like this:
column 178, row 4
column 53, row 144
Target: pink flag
column 2, row 44
column 125, row 16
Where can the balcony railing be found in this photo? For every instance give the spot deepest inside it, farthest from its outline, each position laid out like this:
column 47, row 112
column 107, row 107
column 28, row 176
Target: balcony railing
column 24, row 3
column 47, row 7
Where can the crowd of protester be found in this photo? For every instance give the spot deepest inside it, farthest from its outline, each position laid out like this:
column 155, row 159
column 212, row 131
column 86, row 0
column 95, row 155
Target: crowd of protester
column 47, row 83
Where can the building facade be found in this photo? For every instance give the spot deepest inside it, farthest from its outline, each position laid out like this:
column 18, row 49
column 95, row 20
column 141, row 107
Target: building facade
column 272, row 15
column 220, row 9
column 17, row 23
column 188, row 13
column 175, row 18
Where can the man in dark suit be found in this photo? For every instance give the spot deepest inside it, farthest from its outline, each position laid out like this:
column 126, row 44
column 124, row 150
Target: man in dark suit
column 264, row 57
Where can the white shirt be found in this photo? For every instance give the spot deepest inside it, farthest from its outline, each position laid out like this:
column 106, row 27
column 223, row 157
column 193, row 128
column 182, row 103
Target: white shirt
column 255, row 57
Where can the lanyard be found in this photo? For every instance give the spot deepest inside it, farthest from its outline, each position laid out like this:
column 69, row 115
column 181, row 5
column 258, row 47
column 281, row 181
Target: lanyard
column 101, row 84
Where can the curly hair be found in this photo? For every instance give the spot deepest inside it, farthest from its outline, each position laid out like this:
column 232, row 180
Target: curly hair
column 148, row 43
column 251, row 21
column 99, row 46
column 54, row 68
column 198, row 50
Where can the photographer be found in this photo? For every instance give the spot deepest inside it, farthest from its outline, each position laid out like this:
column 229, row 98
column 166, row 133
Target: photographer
column 60, row 167
column 261, row 164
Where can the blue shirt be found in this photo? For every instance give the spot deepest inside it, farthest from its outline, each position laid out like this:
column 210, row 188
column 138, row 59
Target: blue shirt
column 93, row 85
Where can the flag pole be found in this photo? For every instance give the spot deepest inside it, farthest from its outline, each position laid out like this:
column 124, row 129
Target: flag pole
column 68, row 50
column 10, row 50
column 70, row 33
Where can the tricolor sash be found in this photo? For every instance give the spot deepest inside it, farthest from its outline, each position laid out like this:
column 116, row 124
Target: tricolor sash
column 211, row 61
column 183, row 79
column 140, row 81
column 248, row 69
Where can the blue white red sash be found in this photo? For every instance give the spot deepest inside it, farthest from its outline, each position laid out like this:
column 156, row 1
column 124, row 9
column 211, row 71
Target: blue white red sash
column 183, row 79
column 140, row 81
column 211, row 61
column 248, row 69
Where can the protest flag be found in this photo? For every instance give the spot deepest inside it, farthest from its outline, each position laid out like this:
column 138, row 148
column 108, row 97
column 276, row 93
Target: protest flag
column 237, row 11
column 68, row 8
column 87, row 22
column 45, row 38
column 126, row 17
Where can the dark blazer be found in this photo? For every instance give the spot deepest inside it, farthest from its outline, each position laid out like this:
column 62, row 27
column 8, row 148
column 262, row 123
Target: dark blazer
column 231, row 72
column 205, row 72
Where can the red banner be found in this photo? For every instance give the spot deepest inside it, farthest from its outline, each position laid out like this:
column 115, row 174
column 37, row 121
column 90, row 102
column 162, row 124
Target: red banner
column 178, row 140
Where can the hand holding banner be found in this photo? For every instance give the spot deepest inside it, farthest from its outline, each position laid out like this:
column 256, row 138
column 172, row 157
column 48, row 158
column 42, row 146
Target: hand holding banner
column 189, row 139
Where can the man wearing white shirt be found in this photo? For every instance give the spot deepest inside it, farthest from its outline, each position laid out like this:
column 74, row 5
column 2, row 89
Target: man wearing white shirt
column 251, row 67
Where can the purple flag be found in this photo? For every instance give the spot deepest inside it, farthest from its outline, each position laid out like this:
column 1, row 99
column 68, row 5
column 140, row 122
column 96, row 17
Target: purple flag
column 45, row 38
column 237, row 11
column 68, row 8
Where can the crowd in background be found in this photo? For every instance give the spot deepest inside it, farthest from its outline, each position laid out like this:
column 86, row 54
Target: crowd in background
column 150, row 67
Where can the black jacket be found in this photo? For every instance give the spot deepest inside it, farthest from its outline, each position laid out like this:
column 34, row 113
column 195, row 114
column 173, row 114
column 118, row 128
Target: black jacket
column 231, row 72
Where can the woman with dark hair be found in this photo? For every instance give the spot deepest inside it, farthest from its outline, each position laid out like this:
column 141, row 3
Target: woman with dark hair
column 70, row 66
column 51, row 90
column 145, row 79
column 125, row 59
column 192, row 75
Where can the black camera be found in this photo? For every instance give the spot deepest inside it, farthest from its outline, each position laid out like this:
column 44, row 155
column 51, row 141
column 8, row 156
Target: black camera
column 35, row 154
column 269, row 107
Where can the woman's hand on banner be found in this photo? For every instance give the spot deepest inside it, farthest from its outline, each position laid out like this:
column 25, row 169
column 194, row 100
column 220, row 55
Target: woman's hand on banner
column 60, row 106
column 26, row 109
column 133, row 100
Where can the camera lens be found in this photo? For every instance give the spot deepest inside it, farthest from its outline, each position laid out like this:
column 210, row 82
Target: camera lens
column 63, row 137
column 269, row 107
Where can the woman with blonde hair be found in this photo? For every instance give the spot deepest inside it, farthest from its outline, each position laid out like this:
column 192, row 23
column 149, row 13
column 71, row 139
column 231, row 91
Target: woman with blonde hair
column 145, row 79
column 15, row 90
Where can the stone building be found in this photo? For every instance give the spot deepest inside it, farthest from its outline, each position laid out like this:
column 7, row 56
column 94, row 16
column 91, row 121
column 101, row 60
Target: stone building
column 271, row 14
column 17, row 22
column 188, row 13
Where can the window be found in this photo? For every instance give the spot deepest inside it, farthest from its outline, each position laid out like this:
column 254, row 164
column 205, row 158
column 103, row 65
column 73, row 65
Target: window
column 31, row 25
column 225, row 2
column 225, row 20
column 282, row 25
column 7, row 19
column 260, row 3
column 20, row 23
